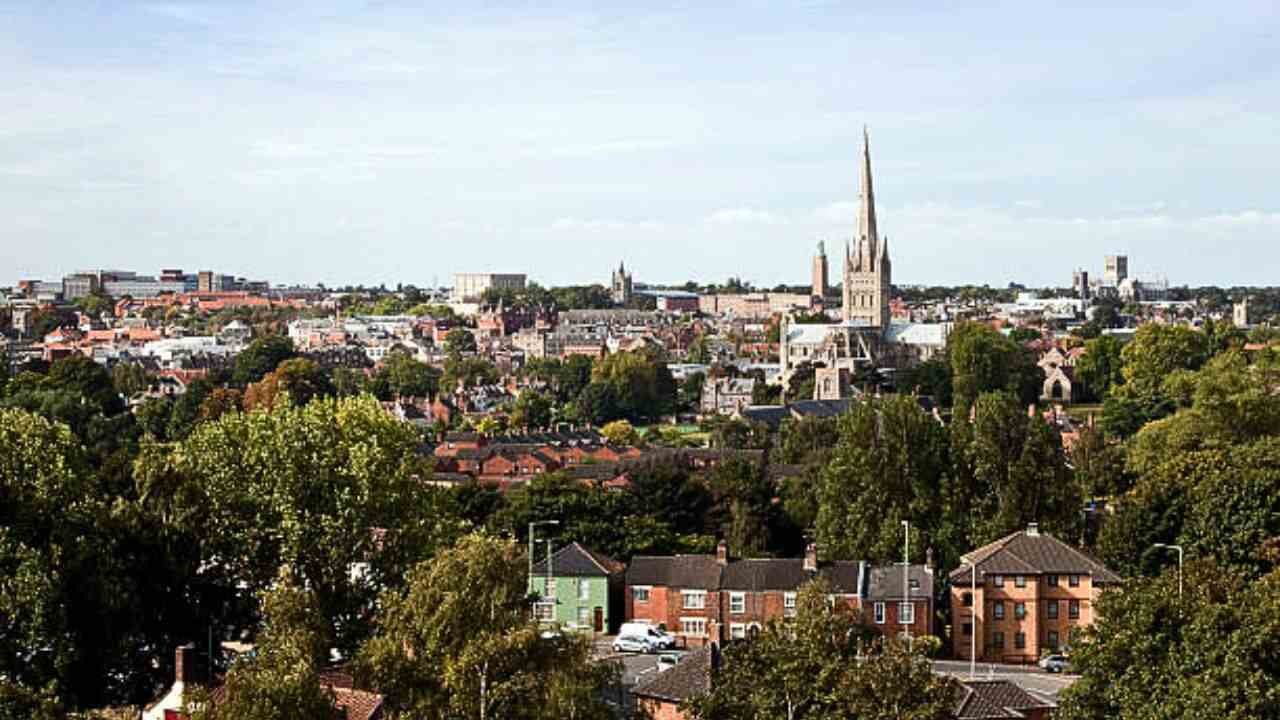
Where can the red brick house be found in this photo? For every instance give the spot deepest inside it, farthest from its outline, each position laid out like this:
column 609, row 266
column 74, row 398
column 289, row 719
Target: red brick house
column 704, row 598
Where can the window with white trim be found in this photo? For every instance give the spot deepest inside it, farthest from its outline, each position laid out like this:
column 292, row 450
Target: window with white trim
column 737, row 603
column 879, row 613
column 694, row 599
column 584, row 589
column 693, row 626
column 789, row 604
column 584, row 616
column 737, row 631
column 640, row 593
column 906, row 613
column 544, row 611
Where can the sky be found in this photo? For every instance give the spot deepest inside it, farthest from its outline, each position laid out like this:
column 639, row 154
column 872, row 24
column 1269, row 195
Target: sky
column 387, row 142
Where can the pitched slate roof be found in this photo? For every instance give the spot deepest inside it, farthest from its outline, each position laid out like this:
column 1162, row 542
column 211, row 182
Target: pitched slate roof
column 1030, row 552
column 820, row 408
column 788, row 574
column 885, row 582
column 994, row 700
column 690, row 678
column 682, row 571
column 574, row 560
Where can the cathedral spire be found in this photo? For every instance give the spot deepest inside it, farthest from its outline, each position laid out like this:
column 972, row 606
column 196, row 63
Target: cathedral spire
column 867, row 212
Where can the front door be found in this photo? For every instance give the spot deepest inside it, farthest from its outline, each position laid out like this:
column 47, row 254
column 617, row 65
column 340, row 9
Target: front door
column 599, row 620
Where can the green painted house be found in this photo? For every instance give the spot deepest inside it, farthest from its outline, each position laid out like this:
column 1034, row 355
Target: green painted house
column 583, row 591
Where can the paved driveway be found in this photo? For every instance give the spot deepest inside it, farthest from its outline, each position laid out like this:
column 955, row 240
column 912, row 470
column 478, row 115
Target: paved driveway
column 1027, row 677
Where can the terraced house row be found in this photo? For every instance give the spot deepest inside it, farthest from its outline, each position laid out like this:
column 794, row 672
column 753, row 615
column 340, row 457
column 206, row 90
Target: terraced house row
column 711, row 598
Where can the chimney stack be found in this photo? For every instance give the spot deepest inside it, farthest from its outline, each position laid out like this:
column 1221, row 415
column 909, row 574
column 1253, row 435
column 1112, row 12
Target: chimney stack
column 722, row 553
column 928, row 560
column 1033, row 529
column 187, row 668
column 811, row 557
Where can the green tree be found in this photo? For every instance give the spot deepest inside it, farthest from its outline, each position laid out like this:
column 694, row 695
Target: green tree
column 1100, row 368
column 467, row 372
column 888, row 465
column 129, row 379
column 321, row 488
column 532, row 410
column 261, row 357
column 983, row 360
column 280, row 679
column 620, row 432
column 808, row 668
column 404, row 376
column 459, row 340
column 459, row 641
column 1158, row 652
column 298, row 378
column 931, row 377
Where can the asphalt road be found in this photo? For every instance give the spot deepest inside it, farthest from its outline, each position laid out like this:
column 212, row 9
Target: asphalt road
column 1027, row 677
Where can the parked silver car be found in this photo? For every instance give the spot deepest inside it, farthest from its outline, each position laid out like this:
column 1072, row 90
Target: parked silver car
column 1055, row 663
column 633, row 644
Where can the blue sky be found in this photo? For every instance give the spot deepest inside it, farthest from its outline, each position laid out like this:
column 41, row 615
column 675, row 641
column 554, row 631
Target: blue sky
column 401, row 142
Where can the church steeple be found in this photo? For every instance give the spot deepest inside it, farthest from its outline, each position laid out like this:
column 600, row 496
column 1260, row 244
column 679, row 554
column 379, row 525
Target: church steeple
column 868, row 237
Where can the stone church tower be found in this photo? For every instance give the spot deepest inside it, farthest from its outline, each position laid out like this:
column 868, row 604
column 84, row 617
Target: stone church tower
column 820, row 282
column 621, row 285
column 867, row 271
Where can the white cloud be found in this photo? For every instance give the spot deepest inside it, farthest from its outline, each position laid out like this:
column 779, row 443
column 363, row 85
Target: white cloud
column 598, row 225
column 744, row 216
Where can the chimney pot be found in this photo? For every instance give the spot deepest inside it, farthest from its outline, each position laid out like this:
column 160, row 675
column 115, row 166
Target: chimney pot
column 811, row 557
column 1033, row 529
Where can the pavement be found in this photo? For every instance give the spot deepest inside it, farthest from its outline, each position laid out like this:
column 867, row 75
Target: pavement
column 1027, row 677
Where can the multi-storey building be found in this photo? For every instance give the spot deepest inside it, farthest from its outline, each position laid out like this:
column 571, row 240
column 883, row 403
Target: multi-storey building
column 469, row 287
column 1032, row 593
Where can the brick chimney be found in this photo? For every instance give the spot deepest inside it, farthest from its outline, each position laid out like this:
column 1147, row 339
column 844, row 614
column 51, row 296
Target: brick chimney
column 722, row 553
column 811, row 557
column 187, row 666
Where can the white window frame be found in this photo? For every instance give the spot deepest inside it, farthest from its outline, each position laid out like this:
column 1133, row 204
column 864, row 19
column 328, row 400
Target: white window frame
column 693, row 626
column 636, row 590
column 693, row 599
column 584, row 616
column 737, row 631
column 789, row 604
column 544, row 611
column 584, row 589
column 737, row 603
column 906, row 613
column 878, row 612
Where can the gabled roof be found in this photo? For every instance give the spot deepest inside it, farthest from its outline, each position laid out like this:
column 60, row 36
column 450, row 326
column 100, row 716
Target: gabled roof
column 994, row 700
column 788, row 574
column 690, row 678
column 574, row 560
column 681, row 571
column 885, row 582
column 1030, row 552
column 820, row 408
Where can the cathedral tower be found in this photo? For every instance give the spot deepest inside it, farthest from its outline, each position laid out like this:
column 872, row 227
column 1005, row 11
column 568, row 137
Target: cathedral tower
column 867, row 270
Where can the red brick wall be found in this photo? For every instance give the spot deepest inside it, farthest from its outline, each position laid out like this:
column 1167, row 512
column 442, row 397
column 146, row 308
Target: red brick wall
column 662, row 710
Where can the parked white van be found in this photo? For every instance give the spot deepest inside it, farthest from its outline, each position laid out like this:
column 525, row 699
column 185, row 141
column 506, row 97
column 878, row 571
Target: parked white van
column 660, row 638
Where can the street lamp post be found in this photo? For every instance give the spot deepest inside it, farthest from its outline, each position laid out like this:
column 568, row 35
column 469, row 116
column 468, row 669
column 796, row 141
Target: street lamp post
column 1177, row 549
column 906, row 575
column 973, row 620
column 532, row 526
